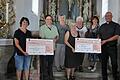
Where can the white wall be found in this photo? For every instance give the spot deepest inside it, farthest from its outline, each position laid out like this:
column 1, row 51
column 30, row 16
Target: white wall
column 24, row 8
column 113, row 6
column 99, row 10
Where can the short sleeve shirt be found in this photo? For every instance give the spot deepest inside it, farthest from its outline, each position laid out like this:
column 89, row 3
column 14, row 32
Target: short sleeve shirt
column 62, row 30
column 47, row 33
column 82, row 31
column 21, row 37
column 108, row 30
column 92, row 33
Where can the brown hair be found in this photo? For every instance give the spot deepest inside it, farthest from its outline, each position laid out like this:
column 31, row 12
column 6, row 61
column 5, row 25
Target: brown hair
column 22, row 19
column 94, row 17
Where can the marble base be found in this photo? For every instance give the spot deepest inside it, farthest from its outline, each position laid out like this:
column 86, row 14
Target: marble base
column 6, row 42
column 6, row 51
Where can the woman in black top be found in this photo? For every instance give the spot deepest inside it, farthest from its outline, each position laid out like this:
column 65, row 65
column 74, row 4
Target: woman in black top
column 92, row 33
column 71, row 58
column 22, row 60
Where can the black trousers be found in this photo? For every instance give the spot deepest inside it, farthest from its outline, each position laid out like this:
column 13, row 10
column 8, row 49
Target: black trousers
column 46, row 64
column 81, row 58
column 109, row 51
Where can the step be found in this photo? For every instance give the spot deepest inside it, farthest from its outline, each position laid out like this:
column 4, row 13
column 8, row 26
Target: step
column 79, row 75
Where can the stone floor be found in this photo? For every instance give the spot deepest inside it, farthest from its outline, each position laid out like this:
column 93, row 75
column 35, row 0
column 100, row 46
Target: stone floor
column 7, row 51
column 86, row 75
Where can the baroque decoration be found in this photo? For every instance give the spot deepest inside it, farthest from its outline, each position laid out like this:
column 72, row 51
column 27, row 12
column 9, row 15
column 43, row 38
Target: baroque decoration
column 70, row 8
column 7, row 17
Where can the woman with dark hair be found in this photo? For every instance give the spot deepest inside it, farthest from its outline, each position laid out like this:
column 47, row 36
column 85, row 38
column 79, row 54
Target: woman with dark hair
column 22, row 59
column 92, row 33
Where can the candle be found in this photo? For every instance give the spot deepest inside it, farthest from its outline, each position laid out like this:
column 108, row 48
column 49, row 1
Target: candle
column 7, row 5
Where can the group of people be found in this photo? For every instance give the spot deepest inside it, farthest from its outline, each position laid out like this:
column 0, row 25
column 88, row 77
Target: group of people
column 64, row 38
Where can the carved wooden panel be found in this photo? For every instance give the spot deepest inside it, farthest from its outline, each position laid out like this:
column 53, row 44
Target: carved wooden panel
column 7, row 17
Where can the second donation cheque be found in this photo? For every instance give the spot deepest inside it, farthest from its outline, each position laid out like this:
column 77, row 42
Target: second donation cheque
column 88, row 45
column 39, row 47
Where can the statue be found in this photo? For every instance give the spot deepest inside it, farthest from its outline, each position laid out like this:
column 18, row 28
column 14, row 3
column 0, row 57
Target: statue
column 63, row 7
column 52, row 9
column 75, row 10
column 85, row 10
column 70, row 4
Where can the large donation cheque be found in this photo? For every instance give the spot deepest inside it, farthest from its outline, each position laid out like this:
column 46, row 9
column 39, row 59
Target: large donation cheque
column 87, row 45
column 39, row 47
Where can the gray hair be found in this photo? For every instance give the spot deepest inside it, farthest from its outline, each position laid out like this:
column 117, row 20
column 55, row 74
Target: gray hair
column 79, row 18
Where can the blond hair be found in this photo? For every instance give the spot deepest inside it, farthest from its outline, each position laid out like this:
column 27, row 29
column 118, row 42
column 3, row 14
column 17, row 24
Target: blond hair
column 79, row 18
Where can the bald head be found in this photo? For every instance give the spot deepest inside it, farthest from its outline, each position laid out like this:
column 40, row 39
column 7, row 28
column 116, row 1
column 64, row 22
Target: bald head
column 108, row 16
column 109, row 12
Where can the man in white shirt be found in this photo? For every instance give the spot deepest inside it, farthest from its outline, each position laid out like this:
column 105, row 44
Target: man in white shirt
column 81, row 29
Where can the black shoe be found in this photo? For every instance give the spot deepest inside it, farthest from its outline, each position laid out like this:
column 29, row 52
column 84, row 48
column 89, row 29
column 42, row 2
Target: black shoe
column 75, row 70
column 72, row 77
column 58, row 69
column 80, row 69
column 62, row 68
column 51, row 78
column 67, row 79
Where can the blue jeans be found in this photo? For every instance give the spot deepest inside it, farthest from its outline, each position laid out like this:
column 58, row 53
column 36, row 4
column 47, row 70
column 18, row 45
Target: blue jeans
column 93, row 57
column 22, row 62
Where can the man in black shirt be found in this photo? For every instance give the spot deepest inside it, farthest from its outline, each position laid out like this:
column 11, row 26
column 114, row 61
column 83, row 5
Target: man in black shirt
column 109, row 34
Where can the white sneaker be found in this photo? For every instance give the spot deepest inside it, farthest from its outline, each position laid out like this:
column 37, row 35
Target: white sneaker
column 93, row 69
column 89, row 67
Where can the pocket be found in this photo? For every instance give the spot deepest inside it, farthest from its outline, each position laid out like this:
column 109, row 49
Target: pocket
column 15, row 55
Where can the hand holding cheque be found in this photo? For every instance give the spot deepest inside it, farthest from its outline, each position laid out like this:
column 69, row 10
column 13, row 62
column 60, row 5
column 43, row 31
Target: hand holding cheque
column 39, row 47
column 88, row 45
